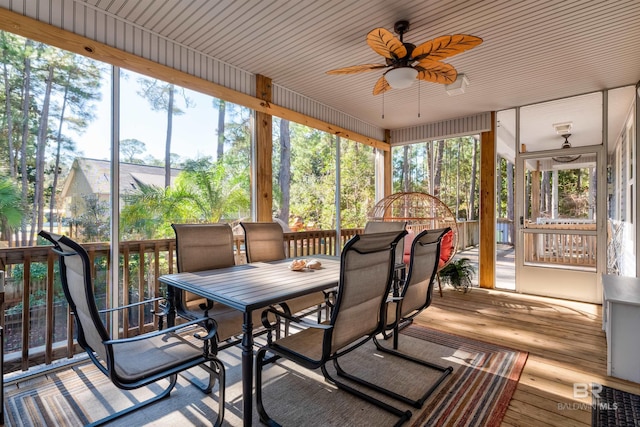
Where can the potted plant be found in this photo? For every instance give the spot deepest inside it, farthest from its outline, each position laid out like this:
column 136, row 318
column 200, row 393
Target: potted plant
column 458, row 273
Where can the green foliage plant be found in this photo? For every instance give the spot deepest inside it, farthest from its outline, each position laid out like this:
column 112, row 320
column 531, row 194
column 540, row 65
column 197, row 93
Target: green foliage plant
column 458, row 273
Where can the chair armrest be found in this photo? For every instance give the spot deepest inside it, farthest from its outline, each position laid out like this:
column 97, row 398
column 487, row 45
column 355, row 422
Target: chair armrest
column 133, row 304
column 212, row 328
column 205, row 320
column 330, row 297
column 291, row 318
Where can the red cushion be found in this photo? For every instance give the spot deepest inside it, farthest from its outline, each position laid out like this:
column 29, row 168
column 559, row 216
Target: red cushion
column 446, row 246
column 408, row 241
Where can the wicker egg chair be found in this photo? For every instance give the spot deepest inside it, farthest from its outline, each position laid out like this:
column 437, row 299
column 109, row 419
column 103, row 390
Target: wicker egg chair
column 421, row 211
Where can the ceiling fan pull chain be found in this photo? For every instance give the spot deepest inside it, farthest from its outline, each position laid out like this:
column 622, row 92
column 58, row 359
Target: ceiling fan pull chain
column 383, row 105
column 419, row 99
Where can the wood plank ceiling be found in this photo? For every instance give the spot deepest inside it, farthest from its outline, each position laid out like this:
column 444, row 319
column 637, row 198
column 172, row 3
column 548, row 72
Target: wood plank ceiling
column 533, row 50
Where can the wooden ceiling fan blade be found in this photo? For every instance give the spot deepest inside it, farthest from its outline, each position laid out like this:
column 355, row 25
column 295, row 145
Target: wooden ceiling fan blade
column 357, row 69
column 386, row 44
column 445, row 47
column 382, row 85
column 436, row 72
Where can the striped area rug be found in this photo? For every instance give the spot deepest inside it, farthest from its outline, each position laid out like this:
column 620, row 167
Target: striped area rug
column 477, row 393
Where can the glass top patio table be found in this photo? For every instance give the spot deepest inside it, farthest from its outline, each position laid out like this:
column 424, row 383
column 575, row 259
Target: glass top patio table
column 249, row 287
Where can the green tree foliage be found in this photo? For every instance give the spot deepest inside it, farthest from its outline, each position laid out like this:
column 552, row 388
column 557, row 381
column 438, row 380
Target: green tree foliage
column 312, row 178
column 357, row 179
column 11, row 207
column 574, row 193
column 312, row 190
column 94, row 220
column 205, row 191
column 442, row 168
column 48, row 97
column 130, row 149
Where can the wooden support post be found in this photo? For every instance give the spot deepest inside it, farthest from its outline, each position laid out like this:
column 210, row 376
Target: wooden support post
column 388, row 187
column 487, row 256
column 264, row 147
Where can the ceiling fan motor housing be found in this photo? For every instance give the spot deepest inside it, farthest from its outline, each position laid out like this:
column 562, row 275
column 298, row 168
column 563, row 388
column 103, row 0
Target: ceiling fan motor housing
column 401, row 27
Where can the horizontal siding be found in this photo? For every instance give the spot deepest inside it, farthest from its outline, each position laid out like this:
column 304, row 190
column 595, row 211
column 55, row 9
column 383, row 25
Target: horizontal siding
column 294, row 101
column 443, row 129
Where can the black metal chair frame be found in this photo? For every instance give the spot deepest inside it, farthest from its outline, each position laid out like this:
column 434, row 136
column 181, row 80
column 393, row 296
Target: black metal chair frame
column 206, row 359
column 391, row 240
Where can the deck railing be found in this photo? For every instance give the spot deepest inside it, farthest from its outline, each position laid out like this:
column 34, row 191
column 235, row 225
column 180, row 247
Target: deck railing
column 573, row 244
column 44, row 332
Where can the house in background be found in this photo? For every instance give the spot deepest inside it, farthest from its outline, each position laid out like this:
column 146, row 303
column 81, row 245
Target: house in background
column 92, row 177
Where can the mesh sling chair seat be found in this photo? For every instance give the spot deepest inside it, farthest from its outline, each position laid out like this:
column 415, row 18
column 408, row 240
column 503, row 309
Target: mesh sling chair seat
column 134, row 362
column 201, row 247
column 264, row 242
column 400, row 268
column 416, row 295
column 366, row 272
column 385, row 227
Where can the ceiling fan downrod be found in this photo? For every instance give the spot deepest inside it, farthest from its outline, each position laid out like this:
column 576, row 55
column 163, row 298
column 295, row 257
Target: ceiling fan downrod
column 400, row 28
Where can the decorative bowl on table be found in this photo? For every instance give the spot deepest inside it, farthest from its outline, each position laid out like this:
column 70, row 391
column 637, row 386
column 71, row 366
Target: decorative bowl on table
column 303, row 264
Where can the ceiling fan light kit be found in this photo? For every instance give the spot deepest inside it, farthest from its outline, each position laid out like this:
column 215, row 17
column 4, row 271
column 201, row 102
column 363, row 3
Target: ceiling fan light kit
column 408, row 62
column 458, row 87
column 566, row 144
column 401, row 77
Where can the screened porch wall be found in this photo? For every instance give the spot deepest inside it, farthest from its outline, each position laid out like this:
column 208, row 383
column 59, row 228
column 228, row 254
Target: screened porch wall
column 123, row 35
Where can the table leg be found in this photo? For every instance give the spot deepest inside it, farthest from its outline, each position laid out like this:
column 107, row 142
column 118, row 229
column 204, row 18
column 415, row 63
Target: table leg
column 247, row 369
column 171, row 309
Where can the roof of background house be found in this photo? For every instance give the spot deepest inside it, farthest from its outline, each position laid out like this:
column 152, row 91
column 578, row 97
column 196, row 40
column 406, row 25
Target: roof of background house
column 97, row 173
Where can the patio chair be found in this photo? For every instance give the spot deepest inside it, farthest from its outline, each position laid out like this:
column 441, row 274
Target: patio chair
column 264, row 242
column 387, row 226
column 416, row 295
column 366, row 273
column 138, row 361
column 202, row 247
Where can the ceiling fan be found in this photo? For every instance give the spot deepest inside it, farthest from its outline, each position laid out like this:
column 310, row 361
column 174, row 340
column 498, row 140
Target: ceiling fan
column 407, row 62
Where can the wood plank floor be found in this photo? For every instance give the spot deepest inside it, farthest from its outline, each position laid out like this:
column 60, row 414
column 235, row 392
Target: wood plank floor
column 564, row 339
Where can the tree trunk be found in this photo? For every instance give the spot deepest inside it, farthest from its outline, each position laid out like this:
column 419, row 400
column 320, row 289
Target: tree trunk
column 406, row 180
column 284, row 176
column 8, row 112
column 26, row 94
column 167, row 150
column 41, row 148
column 474, row 169
column 221, row 113
column 54, row 185
column 545, row 199
column 438, row 169
column 510, row 199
